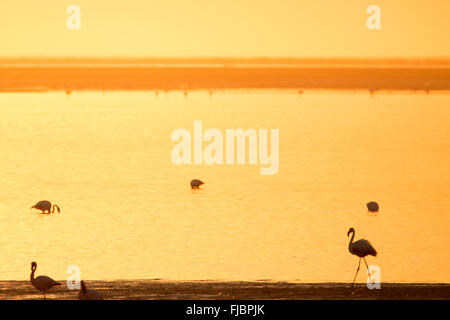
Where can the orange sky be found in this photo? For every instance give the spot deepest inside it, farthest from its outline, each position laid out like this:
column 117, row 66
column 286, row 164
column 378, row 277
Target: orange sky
column 297, row 28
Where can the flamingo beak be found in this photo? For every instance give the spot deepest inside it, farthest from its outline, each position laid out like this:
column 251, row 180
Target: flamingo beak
column 348, row 233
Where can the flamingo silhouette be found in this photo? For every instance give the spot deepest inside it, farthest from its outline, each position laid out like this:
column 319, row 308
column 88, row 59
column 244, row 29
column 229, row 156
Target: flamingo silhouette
column 372, row 206
column 45, row 205
column 42, row 283
column 360, row 248
column 88, row 294
column 195, row 184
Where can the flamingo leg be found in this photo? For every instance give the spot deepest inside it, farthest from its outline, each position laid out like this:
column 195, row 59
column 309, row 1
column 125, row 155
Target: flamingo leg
column 367, row 269
column 359, row 264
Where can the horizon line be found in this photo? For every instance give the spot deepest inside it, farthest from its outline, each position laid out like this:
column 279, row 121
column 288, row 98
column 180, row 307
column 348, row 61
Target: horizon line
column 233, row 59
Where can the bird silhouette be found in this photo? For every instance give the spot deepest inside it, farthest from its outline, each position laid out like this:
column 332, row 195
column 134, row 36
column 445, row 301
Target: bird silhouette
column 45, row 205
column 360, row 248
column 195, row 184
column 42, row 283
column 88, row 294
column 372, row 206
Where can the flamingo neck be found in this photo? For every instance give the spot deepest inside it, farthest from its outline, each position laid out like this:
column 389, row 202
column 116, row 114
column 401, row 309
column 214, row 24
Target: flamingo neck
column 32, row 275
column 351, row 241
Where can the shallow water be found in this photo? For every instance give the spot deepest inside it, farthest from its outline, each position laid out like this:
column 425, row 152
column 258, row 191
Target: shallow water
column 227, row 290
column 128, row 212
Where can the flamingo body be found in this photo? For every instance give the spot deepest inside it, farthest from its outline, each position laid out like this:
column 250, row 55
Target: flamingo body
column 362, row 248
column 372, row 206
column 195, row 184
column 88, row 294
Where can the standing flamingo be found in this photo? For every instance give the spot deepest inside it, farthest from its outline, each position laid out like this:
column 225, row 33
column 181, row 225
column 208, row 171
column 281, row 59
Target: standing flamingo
column 42, row 283
column 360, row 248
column 88, row 294
column 45, row 205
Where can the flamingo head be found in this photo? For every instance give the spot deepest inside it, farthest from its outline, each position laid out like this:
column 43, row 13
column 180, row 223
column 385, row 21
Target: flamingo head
column 351, row 230
column 33, row 266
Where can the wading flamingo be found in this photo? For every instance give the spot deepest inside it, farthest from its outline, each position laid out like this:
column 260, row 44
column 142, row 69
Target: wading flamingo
column 45, row 205
column 195, row 184
column 360, row 248
column 372, row 206
column 42, row 283
column 88, row 294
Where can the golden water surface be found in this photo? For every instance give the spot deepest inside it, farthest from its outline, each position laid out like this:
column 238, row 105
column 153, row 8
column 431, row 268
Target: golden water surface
column 128, row 212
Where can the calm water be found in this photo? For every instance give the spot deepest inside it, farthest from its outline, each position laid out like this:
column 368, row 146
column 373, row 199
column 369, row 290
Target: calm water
column 128, row 212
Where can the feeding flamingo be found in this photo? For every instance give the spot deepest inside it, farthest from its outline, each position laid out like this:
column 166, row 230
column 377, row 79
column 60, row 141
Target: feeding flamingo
column 45, row 205
column 360, row 248
column 42, row 283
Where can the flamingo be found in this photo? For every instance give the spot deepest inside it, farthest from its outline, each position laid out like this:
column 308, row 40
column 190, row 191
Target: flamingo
column 88, row 294
column 42, row 283
column 372, row 206
column 360, row 248
column 195, row 184
column 45, row 205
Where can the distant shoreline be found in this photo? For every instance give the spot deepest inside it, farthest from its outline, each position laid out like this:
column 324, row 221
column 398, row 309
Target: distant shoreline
column 19, row 78
column 231, row 290
column 232, row 61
